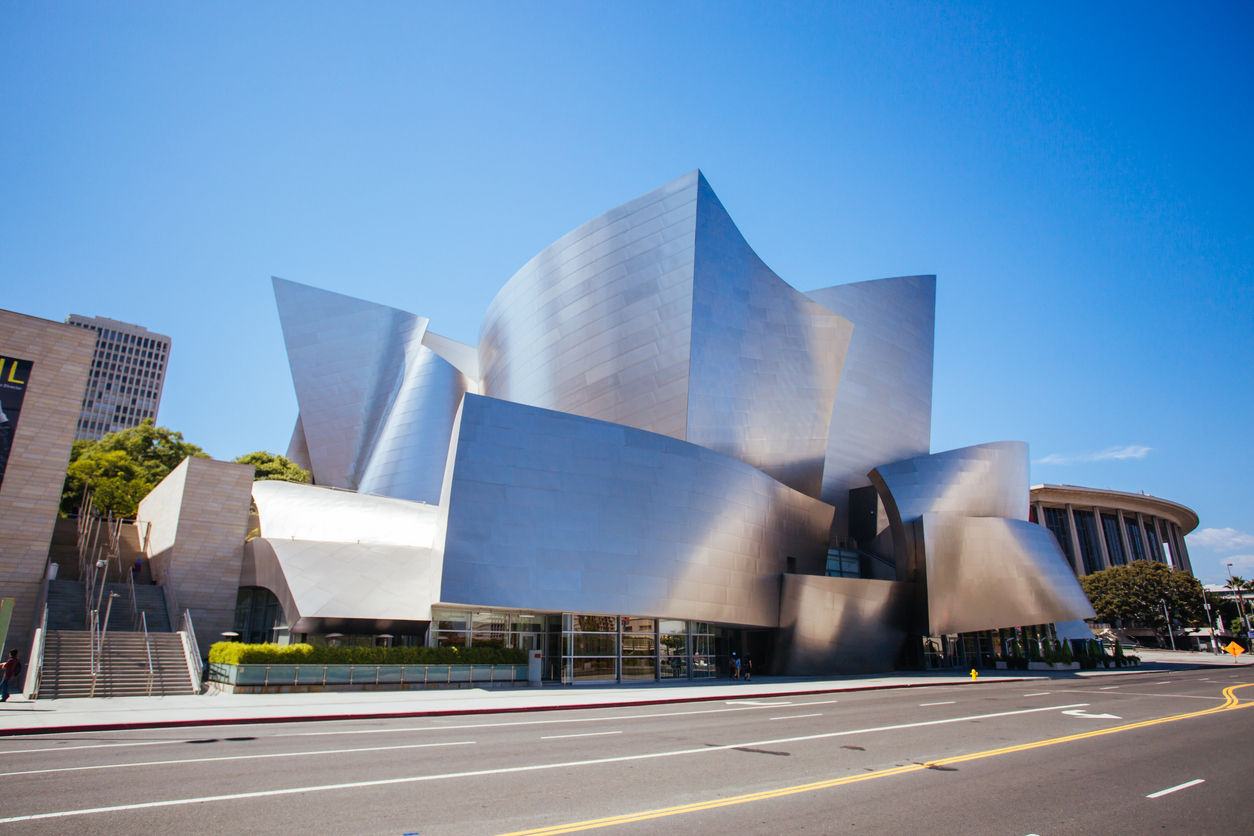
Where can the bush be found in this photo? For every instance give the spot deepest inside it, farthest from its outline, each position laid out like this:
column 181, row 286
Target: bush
column 237, row 653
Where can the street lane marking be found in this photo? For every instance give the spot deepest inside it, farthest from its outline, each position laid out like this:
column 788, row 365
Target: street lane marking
column 1038, row 694
column 926, row 704
column 796, row 716
column 95, row 746
column 177, row 802
column 234, row 758
column 1177, row 787
column 1230, row 703
column 1079, row 713
column 612, row 719
column 1107, row 687
column 588, row 734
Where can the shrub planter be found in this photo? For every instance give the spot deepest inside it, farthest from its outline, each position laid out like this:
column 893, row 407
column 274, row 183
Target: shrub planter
column 1053, row 666
column 288, row 679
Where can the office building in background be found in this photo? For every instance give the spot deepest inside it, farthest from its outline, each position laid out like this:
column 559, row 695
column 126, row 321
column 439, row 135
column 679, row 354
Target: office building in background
column 127, row 375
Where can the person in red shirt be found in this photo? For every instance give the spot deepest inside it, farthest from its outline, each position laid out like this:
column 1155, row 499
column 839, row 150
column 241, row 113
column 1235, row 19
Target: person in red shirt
column 12, row 669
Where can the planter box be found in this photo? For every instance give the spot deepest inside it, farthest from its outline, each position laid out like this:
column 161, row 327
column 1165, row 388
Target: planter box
column 1053, row 666
column 294, row 678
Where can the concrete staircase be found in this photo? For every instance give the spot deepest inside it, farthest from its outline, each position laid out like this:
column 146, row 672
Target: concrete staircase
column 67, row 610
column 124, row 665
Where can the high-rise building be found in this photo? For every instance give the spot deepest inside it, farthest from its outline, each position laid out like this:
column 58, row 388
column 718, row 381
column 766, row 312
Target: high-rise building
column 127, row 375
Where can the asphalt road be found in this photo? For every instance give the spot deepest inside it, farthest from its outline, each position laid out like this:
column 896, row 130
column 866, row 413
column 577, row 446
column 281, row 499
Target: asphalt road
column 924, row 760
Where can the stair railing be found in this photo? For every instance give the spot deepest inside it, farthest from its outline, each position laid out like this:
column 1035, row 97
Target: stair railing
column 130, row 588
column 143, row 618
column 37, row 657
column 191, row 649
column 98, row 654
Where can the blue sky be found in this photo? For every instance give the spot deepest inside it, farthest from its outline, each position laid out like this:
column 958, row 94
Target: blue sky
column 1077, row 176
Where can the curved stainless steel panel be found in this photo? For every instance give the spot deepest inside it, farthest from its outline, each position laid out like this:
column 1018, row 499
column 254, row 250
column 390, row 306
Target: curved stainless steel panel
column 659, row 316
column 984, row 573
column 883, row 407
column 598, row 323
column 766, row 360
column 552, row 511
column 289, row 511
column 840, row 625
column 376, row 402
column 343, row 581
column 985, row 480
column 298, row 448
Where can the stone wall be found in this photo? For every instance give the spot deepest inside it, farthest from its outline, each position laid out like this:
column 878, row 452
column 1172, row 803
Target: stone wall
column 199, row 519
column 31, row 490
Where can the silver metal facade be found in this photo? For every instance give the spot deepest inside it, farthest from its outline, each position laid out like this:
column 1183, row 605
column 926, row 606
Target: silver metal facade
column 376, row 403
column 840, row 625
column 659, row 316
column 985, row 480
column 765, row 361
column 331, row 554
column 558, row 512
column 883, row 407
column 984, row 573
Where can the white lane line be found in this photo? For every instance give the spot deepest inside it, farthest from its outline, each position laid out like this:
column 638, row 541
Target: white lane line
column 1176, row 788
column 926, row 704
column 613, row 719
column 235, row 758
column 96, row 746
column 413, row 779
column 588, row 734
column 1037, row 694
column 796, row 716
column 1107, row 687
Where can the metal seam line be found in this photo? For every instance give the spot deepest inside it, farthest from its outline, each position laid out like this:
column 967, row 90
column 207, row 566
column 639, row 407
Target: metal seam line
column 413, row 779
column 1229, row 703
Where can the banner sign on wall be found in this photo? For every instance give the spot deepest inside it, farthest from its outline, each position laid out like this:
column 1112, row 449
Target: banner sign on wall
column 13, row 377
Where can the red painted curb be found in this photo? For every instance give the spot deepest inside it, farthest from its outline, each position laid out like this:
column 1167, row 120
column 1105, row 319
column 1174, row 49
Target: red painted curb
column 173, row 724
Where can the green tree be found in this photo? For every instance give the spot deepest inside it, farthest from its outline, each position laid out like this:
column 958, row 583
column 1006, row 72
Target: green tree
column 1135, row 593
column 271, row 466
column 123, row 466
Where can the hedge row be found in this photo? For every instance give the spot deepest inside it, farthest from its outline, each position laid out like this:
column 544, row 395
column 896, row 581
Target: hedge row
column 237, row 653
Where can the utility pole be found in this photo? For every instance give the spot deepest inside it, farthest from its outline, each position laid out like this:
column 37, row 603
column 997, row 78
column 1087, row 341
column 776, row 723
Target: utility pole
column 1163, row 601
column 1240, row 603
column 1210, row 622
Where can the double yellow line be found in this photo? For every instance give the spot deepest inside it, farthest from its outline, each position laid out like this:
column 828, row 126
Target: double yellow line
column 1230, row 702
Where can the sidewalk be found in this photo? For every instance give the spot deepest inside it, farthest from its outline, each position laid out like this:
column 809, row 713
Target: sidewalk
column 19, row 717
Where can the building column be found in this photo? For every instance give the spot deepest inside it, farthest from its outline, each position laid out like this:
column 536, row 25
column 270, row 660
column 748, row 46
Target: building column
column 1076, row 554
column 1184, row 551
column 1040, row 513
column 1145, row 545
column 1123, row 537
column 1101, row 538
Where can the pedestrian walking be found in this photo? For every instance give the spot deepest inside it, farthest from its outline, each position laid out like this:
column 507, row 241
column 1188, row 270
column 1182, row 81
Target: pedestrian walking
column 12, row 669
column 735, row 667
column 748, row 669
column 136, row 568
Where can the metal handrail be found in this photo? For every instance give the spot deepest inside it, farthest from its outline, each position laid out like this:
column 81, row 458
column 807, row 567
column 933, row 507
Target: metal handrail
column 98, row 656
column 37, row 657
column 143, row 618
column 192, row 649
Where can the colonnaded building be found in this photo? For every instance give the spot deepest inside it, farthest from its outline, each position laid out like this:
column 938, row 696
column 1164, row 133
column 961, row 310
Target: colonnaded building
column 658, row 454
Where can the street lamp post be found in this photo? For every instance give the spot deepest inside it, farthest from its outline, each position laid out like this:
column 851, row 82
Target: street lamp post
column 1240, row 603
column 1166, row 614
column 1214, row 643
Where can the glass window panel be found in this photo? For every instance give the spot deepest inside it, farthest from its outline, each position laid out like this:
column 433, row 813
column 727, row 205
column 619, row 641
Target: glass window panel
column 448, row 620
column 674, row 646
column 487, row 639
column 594, row 624
column 669, row 626
column 446, row 639
column 1134, row 538
column 594, row 644
column 703, row 645
column 638, row 645
column 638, row 625
column 492, row 621
column 1114, row 543
column 1056, row 521
column 529, row 624
column 593, row 668
column 640, row 667
column 675, row 667
column 703, row 667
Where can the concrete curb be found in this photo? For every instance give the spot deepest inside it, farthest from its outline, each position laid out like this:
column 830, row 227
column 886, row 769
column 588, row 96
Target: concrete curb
column 249, row 721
